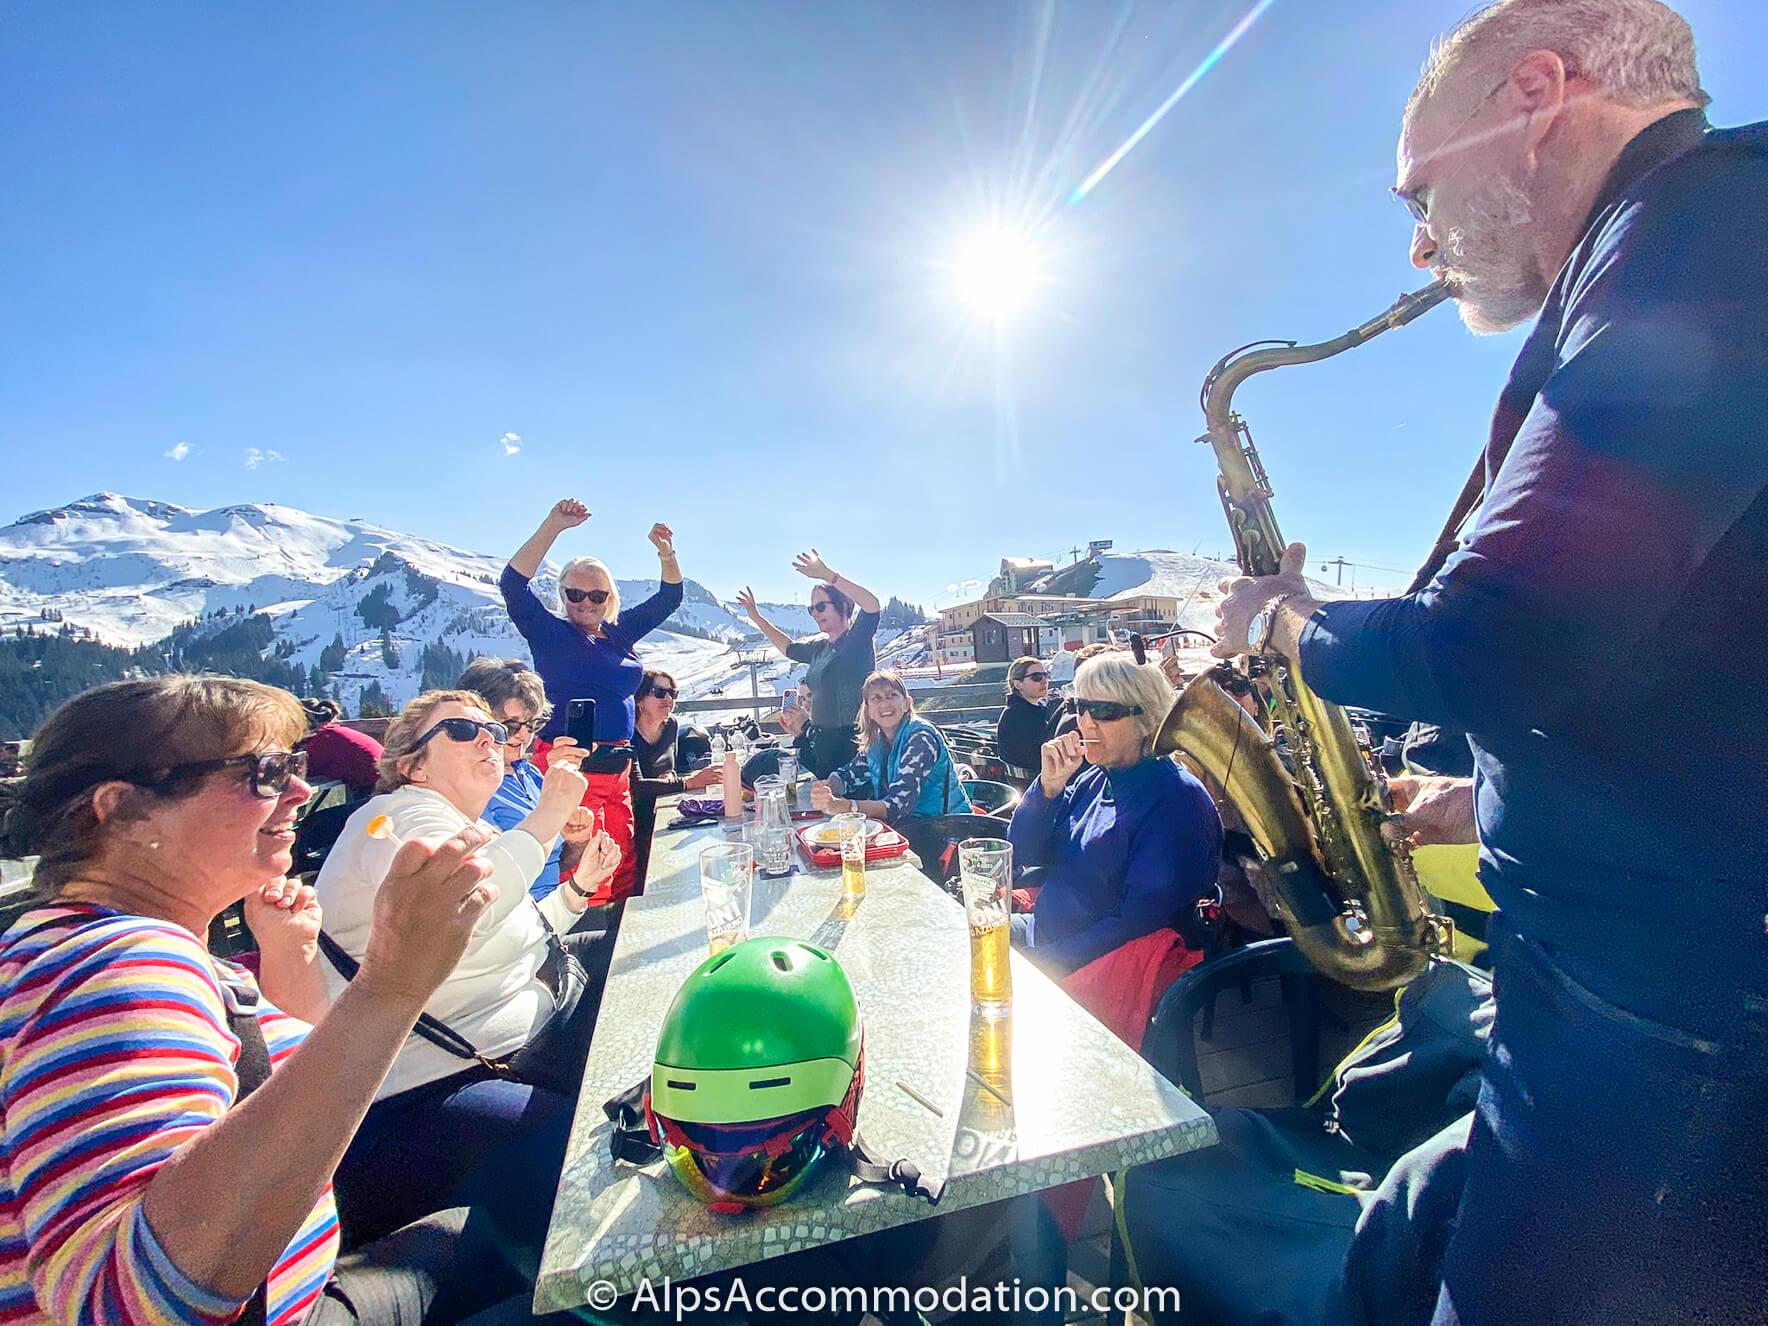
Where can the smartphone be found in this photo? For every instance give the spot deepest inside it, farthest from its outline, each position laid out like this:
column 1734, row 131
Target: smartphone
column 580, row 722
column 789, row 698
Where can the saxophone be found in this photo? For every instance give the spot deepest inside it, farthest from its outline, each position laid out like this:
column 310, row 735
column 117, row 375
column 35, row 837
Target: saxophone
column 1347, row 893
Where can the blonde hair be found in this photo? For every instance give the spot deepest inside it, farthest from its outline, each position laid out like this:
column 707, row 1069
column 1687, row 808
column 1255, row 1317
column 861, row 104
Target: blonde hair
column 1117, row 676
column 413, row 721
column 612, row 614
column 870, row 733
column 1639, row 53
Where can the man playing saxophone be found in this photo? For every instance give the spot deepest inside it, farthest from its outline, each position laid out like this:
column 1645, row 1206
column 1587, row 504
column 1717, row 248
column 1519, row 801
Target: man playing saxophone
column 1600, row 632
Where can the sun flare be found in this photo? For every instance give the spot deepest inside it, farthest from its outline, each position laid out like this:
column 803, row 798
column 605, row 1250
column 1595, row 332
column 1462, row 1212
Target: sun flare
column 996, row 272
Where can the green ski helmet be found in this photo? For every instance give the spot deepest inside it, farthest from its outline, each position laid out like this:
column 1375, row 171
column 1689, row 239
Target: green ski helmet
column 759, row 1068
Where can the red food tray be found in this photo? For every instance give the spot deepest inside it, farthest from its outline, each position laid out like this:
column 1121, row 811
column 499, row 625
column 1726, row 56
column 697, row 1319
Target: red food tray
column 886, row 846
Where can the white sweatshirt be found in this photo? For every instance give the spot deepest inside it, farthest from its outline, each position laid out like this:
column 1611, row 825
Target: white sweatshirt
column 493, row 997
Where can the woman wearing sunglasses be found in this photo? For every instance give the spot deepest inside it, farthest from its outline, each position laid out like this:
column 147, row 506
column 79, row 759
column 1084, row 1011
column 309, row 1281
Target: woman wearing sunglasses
column 837, row 665
column 133, row 1187
column 1027, row 721
column 591, row 653
column 666, row 753
column 447, row 1128
column 1128, row 841
column 518, row 701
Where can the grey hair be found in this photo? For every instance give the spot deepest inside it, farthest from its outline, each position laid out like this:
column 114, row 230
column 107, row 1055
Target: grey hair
column 501, row 679
column 593, row 564
column 1117, row 676
column 1639, row 53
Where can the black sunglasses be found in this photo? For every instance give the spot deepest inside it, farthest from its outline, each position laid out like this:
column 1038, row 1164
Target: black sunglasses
column 595, row 596
column 462, row 730
column 1035, row 676
column 517, row 725
column 268, row 773
column 820, row 604
column 664, row 693
column 1106, row 711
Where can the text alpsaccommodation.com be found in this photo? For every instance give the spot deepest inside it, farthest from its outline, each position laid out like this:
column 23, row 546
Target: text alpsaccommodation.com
column 683, row 1301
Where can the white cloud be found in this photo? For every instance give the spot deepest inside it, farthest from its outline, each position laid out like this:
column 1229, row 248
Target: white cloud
column 179, row 451
column 255, row 457
column 511, row 443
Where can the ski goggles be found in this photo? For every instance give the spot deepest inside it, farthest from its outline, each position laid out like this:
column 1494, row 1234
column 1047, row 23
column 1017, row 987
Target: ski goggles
column 759, row 1164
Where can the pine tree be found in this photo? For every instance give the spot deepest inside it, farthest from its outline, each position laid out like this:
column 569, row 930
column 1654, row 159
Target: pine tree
column 389, row 654
column 331, row 658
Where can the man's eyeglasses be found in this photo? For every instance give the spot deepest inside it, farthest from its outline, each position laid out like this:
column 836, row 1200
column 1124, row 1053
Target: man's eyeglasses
column 664, row 693
column 1106, row 711
column 1417, row 200
column 595, row 596
column 462, row 730
column 269, row 773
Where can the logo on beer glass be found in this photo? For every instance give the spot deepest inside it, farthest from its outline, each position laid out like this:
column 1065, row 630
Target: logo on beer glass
column 985, row 872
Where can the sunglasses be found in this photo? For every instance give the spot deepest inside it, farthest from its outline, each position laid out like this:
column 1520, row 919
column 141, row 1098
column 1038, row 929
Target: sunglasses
column 517, row 726
column 595, row 596
column 664, row 693
column 1035, row 676
column 268, row 773
column 462, row 730
column 1106, row 711
column 821, row 605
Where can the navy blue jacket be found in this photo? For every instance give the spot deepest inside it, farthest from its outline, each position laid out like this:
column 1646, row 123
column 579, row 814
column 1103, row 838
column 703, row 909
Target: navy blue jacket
column 1126, row 851
column 1602, row 631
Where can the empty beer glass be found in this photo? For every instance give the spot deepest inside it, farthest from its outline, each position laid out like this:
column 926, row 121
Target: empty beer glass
column 727, row 886
column 985, row 872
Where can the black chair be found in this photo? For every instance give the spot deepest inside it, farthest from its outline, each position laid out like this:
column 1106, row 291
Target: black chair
column 935, row 838
column 990, row 797
column 1171, row 1044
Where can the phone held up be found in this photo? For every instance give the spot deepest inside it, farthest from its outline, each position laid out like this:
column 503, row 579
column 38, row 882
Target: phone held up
column 580, row 722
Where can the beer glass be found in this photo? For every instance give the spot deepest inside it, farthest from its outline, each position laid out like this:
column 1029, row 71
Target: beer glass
column 852, row 831
column 985, row 873
column 789, row 771
column 727, row 886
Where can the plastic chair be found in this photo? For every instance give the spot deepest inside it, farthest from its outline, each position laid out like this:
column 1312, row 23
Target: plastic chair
column 934, row 839
column 1170, row 1045
column 990, row 797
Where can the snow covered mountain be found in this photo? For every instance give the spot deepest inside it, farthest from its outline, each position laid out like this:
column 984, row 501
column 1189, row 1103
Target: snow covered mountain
column 129, row 570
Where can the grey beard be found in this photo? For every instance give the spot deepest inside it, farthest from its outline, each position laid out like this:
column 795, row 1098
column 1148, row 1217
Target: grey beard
column 1499, row 284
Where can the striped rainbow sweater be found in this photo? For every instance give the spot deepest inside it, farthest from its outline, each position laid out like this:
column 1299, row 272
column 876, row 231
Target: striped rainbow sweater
column 114, row 1052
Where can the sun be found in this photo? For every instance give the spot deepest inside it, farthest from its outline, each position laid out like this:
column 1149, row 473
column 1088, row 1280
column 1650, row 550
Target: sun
column 996, row 272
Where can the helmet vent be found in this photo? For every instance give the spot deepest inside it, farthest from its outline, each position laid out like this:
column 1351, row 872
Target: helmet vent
column 724, row 957
column 682, row 1086
column 781, row 961
column 765, row 1082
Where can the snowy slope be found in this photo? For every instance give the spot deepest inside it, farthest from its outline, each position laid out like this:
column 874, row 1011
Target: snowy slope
column 130, row 570
column 1156, row 572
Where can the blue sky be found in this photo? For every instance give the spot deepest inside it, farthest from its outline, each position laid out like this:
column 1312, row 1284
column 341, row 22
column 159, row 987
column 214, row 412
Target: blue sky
column 698, row 259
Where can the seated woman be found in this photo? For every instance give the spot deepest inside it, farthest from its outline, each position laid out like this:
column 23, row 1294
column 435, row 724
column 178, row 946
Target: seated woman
column 665, row 761
column 903, row 767
column 336, row 753
column 132, row 1186
column 518, row 701
column 442, row 1114
column 1027, row 721
column 1128, row 841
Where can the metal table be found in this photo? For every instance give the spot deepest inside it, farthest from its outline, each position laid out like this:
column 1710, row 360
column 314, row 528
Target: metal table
column 998, row 1108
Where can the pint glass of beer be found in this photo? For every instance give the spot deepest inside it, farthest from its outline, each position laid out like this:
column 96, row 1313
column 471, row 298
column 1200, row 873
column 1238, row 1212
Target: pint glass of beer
column 985, row 871
column 852, row 831
column 727, row 887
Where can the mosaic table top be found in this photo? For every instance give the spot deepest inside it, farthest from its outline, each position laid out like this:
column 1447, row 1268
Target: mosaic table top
column 996, row 1107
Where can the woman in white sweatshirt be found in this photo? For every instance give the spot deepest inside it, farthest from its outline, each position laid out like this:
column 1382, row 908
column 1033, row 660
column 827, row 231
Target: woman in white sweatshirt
column 446, row 1130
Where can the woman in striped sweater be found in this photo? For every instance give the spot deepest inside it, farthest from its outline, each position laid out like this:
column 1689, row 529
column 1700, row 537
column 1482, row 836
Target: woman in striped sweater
column 137, row 1184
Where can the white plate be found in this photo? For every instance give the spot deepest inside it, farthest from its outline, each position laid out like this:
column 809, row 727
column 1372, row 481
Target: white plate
column 825, row 835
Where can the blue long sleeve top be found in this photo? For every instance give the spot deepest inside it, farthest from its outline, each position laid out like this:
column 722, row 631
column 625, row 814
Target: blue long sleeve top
column 575, row 666
column 1600, row 632
column 1126, row 852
